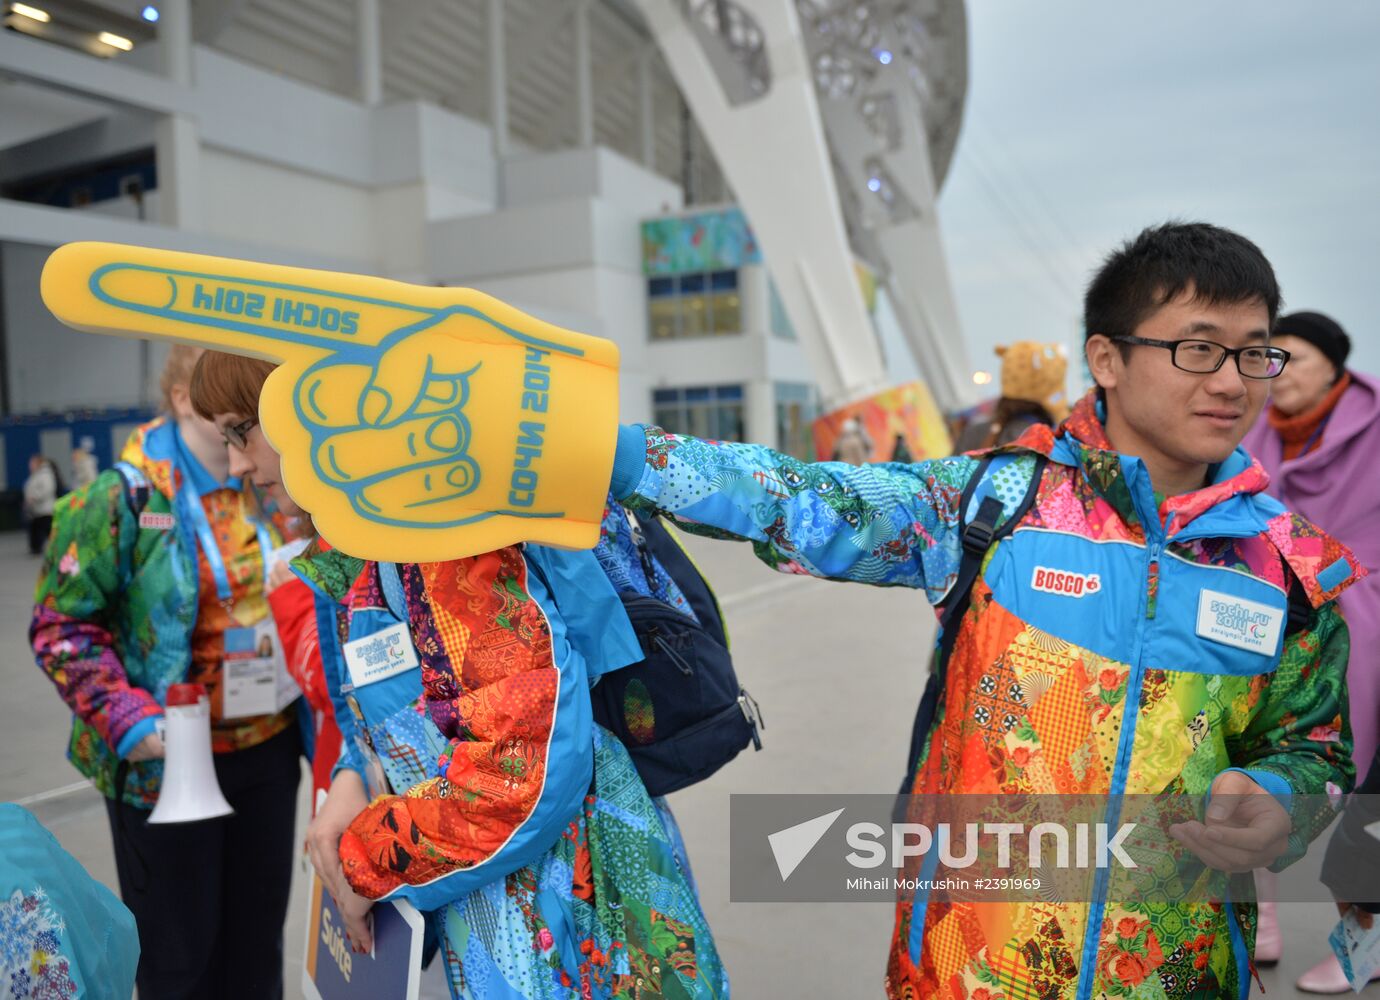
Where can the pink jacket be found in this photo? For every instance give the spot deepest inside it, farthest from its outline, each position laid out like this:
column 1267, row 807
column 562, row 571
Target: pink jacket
column 1337, row 487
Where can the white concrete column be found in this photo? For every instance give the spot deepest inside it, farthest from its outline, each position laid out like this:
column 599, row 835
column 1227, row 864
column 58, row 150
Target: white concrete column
column 498, row 79
column 175, row 40
column 646, row 118
column 759, row 412
column 786, row 187
column 368, row 52
column 177, row 142
column 584, row 78
column 177, row 153
column 910, row 243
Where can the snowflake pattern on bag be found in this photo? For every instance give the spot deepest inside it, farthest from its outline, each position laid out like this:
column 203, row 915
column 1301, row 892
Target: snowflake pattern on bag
column 32, row 963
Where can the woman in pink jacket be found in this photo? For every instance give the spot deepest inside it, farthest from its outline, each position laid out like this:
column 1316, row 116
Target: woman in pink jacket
column 1318, row 440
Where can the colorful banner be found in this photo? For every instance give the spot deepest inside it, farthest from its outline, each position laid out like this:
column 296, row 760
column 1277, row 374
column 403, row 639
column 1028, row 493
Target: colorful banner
column 903, row 415
column 705, row 241
column 334, row 972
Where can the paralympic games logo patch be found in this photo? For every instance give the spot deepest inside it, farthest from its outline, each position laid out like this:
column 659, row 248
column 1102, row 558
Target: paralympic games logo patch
column 1236, row 621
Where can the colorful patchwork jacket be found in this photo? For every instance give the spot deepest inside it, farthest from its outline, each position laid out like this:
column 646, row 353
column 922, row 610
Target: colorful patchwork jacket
column 114, row 610
column 1117, row 690
column 520, row 826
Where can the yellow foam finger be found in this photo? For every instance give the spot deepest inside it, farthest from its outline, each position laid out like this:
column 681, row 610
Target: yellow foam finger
column 370, row 453
column 415, row 423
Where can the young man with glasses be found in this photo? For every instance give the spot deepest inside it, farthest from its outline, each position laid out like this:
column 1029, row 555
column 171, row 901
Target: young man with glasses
column 1140, row 678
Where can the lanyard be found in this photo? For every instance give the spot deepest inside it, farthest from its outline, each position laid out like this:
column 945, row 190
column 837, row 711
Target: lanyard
column 391, row 585
column 190, row 505
column 1313, row 438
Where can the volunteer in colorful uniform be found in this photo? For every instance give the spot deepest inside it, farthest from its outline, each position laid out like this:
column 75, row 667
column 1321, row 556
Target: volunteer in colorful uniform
column 154, row 575
column 525, row 833
column 1087, row 663
column 523, row 823
column 225, row 390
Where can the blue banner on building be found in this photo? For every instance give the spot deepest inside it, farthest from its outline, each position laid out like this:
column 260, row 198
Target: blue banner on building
column 704, row 241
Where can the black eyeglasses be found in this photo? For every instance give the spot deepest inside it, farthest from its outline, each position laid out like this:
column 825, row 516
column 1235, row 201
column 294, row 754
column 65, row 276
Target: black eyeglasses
column 239, row 434
column 1202, row 357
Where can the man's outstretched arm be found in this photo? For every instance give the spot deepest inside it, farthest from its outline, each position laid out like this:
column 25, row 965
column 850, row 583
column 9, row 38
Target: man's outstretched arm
column 886, row 524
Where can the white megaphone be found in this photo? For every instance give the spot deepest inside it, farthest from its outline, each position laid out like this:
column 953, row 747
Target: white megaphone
column 190, row 790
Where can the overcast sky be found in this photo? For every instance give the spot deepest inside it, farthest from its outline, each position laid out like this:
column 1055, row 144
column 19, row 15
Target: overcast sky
column 1087, row 121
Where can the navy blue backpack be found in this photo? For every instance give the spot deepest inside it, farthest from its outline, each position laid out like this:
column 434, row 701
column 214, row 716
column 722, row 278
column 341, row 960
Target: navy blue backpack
column 680, row 712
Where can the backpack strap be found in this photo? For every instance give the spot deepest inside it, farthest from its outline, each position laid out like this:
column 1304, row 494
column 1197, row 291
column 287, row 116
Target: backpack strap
column 137, row 487
column 993, row 503
column 987, row 514
column 137, row 490
column 1300, row 607
column 640, row 543
column 657, row 544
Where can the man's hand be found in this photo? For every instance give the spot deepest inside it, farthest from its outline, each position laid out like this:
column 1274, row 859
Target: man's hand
column 149, row 748
column 1245, row 827
column 346, row 800
column 279, row 575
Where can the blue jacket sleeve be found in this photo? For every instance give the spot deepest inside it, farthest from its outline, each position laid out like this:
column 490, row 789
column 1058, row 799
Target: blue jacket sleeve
column 885, row 524
column 333, row 666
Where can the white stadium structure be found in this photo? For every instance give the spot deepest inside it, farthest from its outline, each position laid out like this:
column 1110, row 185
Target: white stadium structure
column 703, row 181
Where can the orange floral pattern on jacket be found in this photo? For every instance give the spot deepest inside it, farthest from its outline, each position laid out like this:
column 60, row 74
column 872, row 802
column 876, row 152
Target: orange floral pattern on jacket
column 492, row 686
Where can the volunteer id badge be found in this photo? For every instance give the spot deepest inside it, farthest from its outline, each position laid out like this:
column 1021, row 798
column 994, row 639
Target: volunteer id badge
column 287, row 552
column 384, row 654
column 1235, row 621
column 254, row 676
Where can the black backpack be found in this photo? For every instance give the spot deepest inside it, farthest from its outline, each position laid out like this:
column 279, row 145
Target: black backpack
column 989, row 524
column 681, row 712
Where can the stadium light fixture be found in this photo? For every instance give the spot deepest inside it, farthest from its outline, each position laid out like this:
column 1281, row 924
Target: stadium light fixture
column 32, row 13
column 115, row 41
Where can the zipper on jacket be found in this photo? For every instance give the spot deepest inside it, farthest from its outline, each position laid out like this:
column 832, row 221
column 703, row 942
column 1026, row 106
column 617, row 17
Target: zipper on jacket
column 1152, row 585
column 1097, row 907
column 1241, row 958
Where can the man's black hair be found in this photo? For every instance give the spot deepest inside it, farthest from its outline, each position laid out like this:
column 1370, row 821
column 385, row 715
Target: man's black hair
column 1220, row 266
